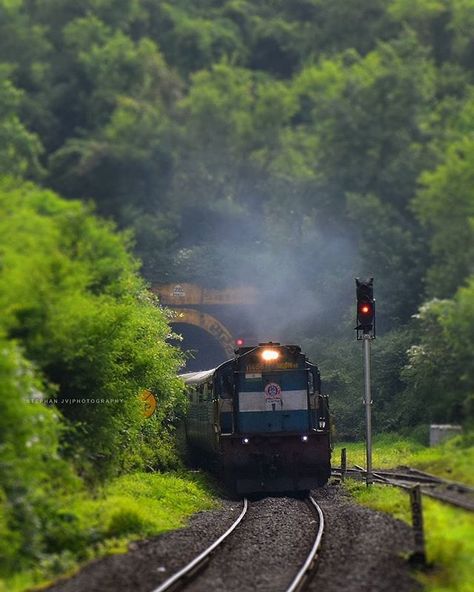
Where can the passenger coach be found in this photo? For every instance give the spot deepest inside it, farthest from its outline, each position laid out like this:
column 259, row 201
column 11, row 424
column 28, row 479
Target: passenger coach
column 261, row 420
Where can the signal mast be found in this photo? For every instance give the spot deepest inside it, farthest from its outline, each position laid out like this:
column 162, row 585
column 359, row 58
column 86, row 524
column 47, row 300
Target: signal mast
column 366, row 333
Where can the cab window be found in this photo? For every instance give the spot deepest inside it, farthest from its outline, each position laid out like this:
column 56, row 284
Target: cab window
column 226, row 386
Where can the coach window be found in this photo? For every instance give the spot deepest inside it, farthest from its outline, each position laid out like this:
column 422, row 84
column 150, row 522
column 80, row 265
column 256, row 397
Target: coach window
column 202, row 393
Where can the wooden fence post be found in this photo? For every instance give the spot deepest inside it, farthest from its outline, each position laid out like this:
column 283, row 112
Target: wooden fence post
column 419, row 554
column 343, row 464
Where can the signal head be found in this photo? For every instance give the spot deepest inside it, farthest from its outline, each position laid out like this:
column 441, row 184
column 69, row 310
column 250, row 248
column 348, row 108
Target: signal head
column 365, row 306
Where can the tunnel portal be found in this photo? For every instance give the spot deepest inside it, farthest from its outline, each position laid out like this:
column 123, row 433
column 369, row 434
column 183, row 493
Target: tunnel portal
column 209, row 320
column 203, row 351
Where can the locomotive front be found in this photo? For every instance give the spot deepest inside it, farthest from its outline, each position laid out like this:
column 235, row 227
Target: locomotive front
column 278, row 424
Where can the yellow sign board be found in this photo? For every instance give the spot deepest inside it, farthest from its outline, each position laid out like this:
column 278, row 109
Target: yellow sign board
column 149, row 401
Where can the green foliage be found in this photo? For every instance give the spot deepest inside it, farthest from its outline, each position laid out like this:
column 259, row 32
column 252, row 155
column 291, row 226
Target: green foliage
column 384, row 499
column 402, row 268
column 80, row 337
column 19, row 148
column 439, row 372
column 31, row 470
column 77, row 528
column 448, row 533
column 452, row 459
column 71, row 296
column 319, row 139
column 342, row 371
column 324, row 139
column 446, row 205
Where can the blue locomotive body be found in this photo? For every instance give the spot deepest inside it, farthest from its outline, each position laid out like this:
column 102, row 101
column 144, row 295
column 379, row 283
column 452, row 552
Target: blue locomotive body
column 260, row 419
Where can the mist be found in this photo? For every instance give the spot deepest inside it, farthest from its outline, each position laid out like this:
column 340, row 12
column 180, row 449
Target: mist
column 301, row 268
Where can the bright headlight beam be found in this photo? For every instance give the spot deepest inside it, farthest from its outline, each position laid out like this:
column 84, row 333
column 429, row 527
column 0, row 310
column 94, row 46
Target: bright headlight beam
column 270, row 354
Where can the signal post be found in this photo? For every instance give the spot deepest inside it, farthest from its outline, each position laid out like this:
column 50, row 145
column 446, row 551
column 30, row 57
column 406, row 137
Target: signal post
column 366, row 333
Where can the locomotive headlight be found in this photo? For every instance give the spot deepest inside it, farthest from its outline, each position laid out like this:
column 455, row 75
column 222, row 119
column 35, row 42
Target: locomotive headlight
column 270, row 354
column 304, row 438
column 245, row 440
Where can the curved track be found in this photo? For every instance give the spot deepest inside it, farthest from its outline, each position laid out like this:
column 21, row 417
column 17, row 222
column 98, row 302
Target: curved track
column 306, row 569
column 198, row 562
column 189, row 572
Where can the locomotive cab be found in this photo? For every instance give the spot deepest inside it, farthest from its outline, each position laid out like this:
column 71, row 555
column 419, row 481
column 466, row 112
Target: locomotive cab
column 266, row 423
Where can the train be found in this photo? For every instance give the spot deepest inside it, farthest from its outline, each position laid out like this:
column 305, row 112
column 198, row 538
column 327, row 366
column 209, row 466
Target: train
column 260, row 420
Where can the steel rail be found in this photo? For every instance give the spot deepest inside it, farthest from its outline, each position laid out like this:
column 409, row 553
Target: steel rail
column 437, row 495
column 405, row 482
column 197, row 561
column 393, row 474
column 411, row 474
column 308, row 564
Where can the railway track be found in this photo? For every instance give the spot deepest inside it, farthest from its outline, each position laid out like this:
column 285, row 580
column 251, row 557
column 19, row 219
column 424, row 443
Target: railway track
column 450, row 492
column 190, row 572
column 306, row 570
column 184, row 575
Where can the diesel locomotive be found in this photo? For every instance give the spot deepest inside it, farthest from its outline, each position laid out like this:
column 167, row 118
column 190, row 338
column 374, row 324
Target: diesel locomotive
column 260, row 420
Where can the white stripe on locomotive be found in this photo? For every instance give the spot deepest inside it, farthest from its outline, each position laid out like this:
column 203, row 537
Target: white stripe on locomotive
column 290, row 401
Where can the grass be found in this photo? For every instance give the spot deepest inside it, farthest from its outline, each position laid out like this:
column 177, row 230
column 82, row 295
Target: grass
column 131, row 507
column 453, row 459
column 449, row 532
column 449, row 535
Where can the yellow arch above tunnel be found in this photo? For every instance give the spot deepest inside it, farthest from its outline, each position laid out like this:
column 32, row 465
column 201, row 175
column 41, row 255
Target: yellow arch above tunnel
column 209, row 324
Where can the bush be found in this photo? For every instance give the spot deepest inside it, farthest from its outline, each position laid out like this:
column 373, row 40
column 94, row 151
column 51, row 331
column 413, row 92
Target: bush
column 71, row 296
column 31, row 470
column 77, row 324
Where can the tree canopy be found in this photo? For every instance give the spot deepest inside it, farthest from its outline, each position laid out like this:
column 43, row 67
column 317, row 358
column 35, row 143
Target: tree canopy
column 292, row 144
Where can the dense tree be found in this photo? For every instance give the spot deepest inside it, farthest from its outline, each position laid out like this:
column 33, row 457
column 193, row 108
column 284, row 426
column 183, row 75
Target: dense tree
column 439, row 374
column 445, row 204
column 287, row 144
column 20, row 149
column 322, row 139
column 71, row 297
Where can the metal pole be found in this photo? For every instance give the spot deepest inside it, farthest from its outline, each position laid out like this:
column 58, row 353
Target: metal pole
column 368, row 407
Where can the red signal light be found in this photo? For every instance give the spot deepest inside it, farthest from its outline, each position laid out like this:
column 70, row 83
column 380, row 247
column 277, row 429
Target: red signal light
column 239, row 342
column 365, row 308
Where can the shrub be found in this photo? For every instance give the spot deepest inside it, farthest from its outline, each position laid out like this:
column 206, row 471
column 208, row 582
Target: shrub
column 71, row 296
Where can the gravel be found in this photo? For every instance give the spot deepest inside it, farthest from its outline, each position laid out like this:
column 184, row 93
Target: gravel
column 362, row 551
column 152, row 561
column 266, row 551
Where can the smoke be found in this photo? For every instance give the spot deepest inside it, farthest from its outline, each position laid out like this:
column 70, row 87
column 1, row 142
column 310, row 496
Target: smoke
column 300, row 265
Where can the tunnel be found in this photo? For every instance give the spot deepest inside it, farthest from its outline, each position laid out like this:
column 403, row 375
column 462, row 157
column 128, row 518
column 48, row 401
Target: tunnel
column 203, row 350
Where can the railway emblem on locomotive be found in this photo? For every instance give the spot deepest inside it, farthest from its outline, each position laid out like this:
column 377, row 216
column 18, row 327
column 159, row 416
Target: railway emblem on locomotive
column 272, row 391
